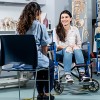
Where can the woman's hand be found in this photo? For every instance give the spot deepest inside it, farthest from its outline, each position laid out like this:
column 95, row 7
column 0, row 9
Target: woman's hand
column 69, row 49
column 75, row 47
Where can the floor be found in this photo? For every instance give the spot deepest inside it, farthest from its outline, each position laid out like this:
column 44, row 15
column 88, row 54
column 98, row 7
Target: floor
column 71, row 92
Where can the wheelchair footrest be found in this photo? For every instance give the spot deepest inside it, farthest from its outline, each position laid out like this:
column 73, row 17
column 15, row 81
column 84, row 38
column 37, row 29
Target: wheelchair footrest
column 80, row 65
column 84, row 83
column 68, row 83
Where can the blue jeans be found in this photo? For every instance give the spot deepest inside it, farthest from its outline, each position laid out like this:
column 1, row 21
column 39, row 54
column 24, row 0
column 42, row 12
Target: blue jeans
column 67, row 59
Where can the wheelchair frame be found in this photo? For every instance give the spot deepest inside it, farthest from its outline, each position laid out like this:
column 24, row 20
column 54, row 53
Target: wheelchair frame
column 91, row 84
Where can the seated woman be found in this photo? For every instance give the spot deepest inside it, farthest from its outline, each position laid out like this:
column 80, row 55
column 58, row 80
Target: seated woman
column 29, row 24
column 68, row 42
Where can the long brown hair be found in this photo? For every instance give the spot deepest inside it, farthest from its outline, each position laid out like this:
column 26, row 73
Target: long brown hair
column 29, row 14
column 60, row 29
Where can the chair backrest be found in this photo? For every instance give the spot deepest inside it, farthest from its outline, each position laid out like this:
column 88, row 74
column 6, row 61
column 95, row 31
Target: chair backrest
column 19, row 48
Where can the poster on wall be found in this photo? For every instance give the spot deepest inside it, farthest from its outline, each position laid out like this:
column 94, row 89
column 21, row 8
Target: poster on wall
column 79, row 13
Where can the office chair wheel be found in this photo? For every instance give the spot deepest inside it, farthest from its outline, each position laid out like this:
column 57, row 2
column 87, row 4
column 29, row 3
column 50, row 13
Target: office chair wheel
column 58, row 87
column 94, row 86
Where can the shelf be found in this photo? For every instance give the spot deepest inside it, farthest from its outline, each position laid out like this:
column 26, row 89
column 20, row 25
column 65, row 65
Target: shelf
column 7, row 32
column 14, row 31
column 20, row 2
column 11, row 4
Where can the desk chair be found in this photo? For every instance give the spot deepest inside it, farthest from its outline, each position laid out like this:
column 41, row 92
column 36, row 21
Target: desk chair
column 22, row 50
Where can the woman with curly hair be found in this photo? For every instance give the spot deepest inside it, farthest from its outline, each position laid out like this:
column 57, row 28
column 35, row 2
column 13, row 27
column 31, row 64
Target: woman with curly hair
column 29, row 23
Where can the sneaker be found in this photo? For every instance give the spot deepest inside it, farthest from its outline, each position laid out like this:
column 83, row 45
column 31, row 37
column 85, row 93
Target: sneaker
column 46, row 97
column 68, row 78
column 83, row 77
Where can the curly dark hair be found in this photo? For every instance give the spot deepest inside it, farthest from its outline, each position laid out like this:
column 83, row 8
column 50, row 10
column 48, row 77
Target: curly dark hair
column 29, row 14
column 60, row 29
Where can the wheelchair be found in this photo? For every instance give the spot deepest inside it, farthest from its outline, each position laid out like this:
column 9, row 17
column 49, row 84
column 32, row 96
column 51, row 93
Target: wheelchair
column 91, row 84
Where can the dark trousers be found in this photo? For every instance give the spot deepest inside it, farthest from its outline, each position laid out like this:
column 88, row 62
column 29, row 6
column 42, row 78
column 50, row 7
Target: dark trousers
column 43, row 86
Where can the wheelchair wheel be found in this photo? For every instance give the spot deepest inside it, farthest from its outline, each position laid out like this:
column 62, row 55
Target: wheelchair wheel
column 58, row 87
column 94, row 86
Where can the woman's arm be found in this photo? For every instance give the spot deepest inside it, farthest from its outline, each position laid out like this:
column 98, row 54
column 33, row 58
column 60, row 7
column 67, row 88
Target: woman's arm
column 44, row 50
column 56, row 40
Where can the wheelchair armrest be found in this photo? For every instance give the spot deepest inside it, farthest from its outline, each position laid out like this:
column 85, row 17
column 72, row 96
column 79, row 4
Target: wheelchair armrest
column 51, row 46
column 85, row 43
column 52, row 43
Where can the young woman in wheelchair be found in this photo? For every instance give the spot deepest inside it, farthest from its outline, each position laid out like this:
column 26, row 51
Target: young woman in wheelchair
column 68, row 42
column 29, row 24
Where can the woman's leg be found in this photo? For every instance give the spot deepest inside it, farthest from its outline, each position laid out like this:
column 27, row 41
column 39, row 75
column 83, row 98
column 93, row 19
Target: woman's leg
column 46, row 85
column 40, row 84
column 43, row 75
column 79, row 58
column 66, row 57
column 67, row 61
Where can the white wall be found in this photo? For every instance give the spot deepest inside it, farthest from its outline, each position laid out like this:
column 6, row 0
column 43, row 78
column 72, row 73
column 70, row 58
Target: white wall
column 61, row 5
column 10, row 11
column 94, row 9
column 89, row 21
column 53, row 9
column 49, row 8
